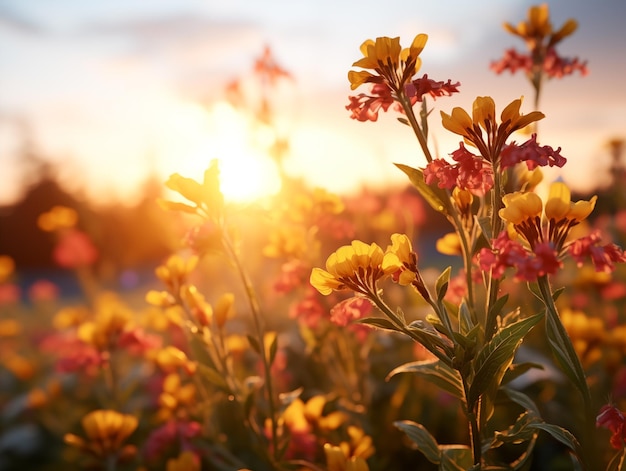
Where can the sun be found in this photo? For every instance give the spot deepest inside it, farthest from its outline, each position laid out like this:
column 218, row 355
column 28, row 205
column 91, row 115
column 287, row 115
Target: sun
column 197, row 135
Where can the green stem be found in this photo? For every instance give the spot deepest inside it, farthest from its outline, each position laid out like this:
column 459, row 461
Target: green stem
column 450, row 210
column 576, row 373
column 256, row 317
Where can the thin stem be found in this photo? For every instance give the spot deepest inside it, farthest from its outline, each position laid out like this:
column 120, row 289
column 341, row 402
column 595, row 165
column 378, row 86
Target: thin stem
column 450, row 210
column 256, row 317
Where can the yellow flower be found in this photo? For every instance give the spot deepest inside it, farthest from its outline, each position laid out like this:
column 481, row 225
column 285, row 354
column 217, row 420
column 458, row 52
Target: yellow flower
column 175, row 271
column 186, row 461
column 336, row 460
column 7, row 267
column 449, row 244
column 175, row 396
column 484, row 119
column 524, row 210
column 401, row 258
column 224, row 308
column 357, row 267
column 389, row 62
column 170, row 358
column 206, row 196
column 59, row 217
column 559, row 205
column 106, row 432
column 538, row 27
column 520, row 207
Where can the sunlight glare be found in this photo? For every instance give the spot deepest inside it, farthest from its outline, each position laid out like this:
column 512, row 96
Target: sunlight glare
column 198, row 136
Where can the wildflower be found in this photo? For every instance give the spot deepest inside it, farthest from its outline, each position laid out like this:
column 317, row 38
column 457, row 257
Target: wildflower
column 206, row 196
column 449, row 244
column 43, row 291
column 541, row 40
column 484, row 119
column 391, row 64
column 175, row 271
column 7, row 267
column 365, row 107
column 175, row 397
column 170, row 359
column 106, row 431
column 308, row 310
column 201, row 311
column 603, row 257
column 357, row 266
column 337, row 460
column 74, row 250
column 349, row 310
column 505, row 253
column 471, row 173
column 610, row 417
column 172, row 433
column 224, row 308
column 401, row 261
column 524, row 211
column 423, row 86
column 532, row 154
column 57, row 218
column 292, row 275
column 186, row 461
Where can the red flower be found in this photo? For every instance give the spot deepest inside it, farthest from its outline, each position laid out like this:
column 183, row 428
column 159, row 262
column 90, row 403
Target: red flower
column 603, row 257
column 532, row 153
column 366, row 107
column 471, row 172
column 610, row 417
column 422, row 86
column 74, row 250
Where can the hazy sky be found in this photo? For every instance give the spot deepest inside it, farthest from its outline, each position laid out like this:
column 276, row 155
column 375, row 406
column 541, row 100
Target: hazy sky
column 111, row 88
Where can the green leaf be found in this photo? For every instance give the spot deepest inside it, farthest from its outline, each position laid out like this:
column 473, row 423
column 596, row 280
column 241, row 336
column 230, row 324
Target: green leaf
column 404, row 121
column 441, row 286
column 497, row 307
column 484, row 223
column 417, row 178
column 496, row 356
column 455, row 458
column 466, row 324
column 422, row 438
column 273, row 349
column 563, row 350
column 437, row 372
column 517, row 370
column 213, row 376
column 254, row 343
column 379, row 322
column 560, row 434
column 522, row 400
column 517, row 433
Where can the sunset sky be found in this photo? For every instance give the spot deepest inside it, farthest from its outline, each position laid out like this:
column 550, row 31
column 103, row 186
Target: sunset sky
column 112, row 90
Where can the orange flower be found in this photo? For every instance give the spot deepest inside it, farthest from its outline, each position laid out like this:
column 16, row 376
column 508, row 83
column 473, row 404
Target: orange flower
column 106, row 431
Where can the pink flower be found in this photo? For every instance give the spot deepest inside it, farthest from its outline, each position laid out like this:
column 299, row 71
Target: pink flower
column 74, row 250
column 471, row 172
column 506, row 253
column 43, row 290
column 553, row 65
column 9, row 294
column 610, row 417
column 175, row 435
column 603, row 257
column 309, row 310
column 138, row 342
column 425, row 86
column 366, row 107
column 293, row 274
column 532, row 153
